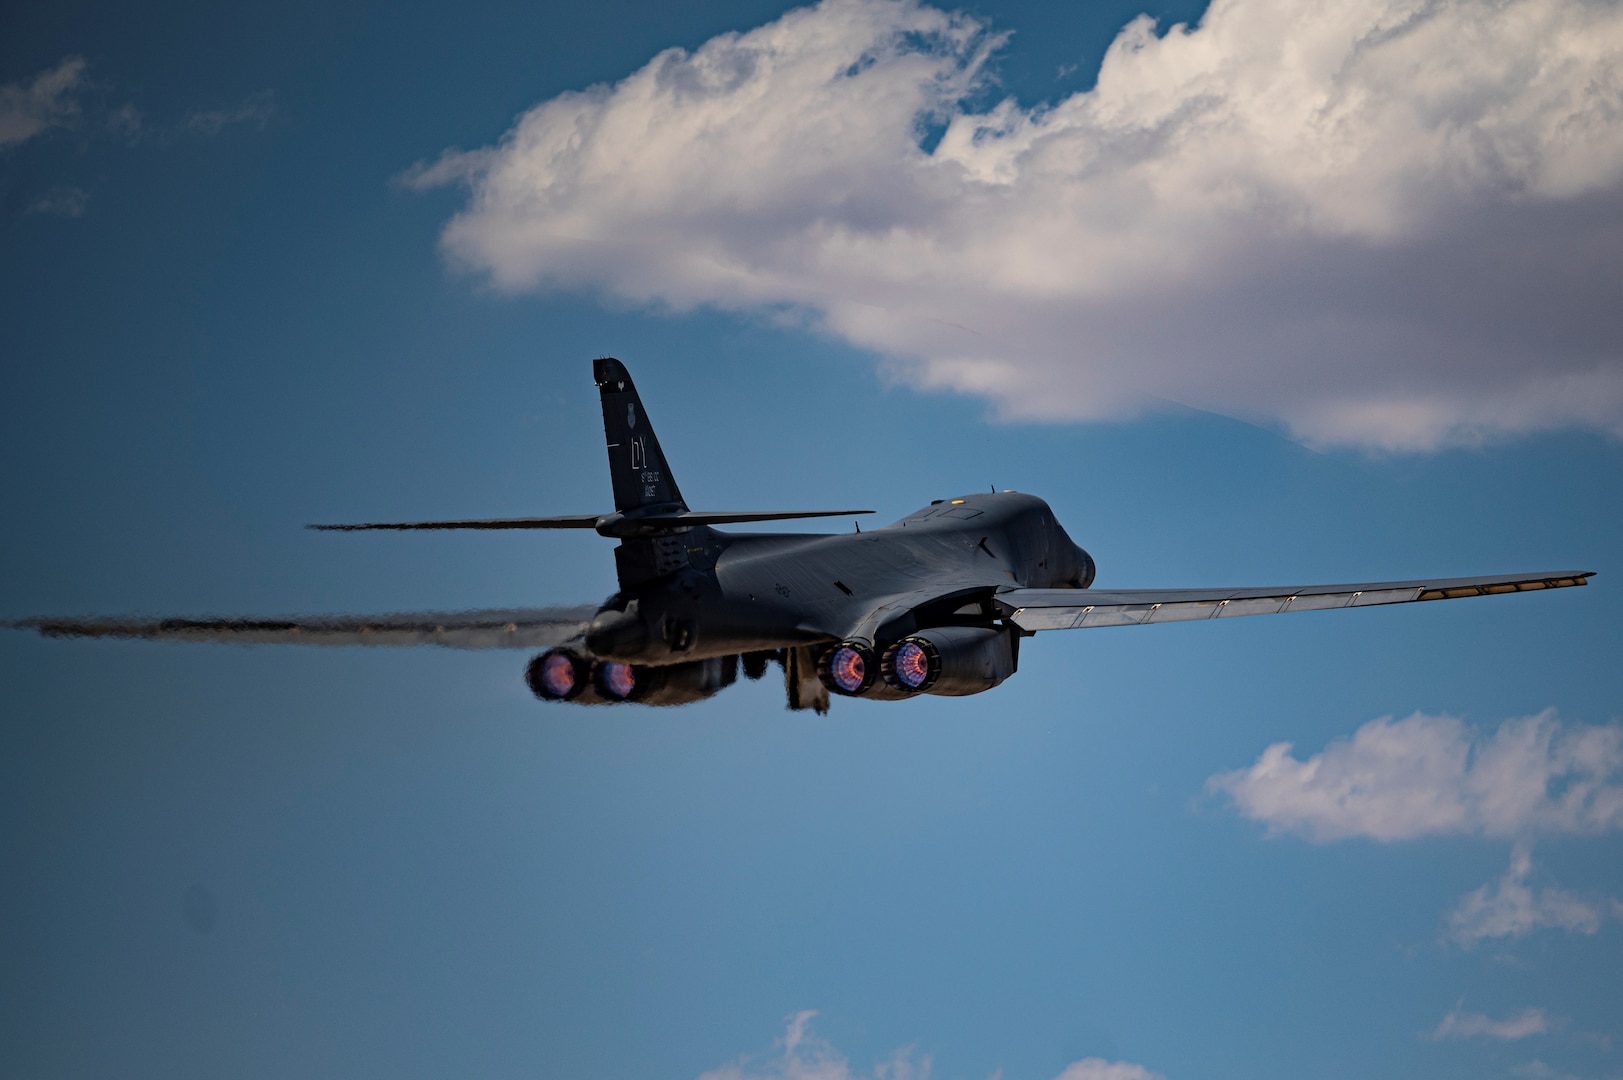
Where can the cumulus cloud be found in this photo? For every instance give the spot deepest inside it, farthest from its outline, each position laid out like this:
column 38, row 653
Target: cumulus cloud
column 68, row 202
column 1433, row 775
column 1510, row 908
column 802, row 1055
column 1538, row 1070
column 453, row 166
column 255, row 111
column 1425, row 775
column 1379, row 223
column 128, row 121
column 1100, row 1069
column 1459, row 1024
column 46, row 100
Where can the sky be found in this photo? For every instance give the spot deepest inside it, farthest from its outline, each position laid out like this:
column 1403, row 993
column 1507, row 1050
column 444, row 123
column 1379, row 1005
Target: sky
column 1251, row 294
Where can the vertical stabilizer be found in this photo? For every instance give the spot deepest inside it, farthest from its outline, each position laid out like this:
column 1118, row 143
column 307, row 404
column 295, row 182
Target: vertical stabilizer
column 636, row 462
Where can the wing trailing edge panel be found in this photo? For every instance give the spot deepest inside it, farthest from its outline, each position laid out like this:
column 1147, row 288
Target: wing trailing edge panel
column 500, row 628
column 1071, row 609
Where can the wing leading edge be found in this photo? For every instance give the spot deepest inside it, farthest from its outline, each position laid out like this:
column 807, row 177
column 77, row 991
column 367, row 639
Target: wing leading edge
column 1069, row 609
column 500, row 628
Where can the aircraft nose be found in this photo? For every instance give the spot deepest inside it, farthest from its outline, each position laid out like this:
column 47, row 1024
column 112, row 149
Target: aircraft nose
column 617, row 634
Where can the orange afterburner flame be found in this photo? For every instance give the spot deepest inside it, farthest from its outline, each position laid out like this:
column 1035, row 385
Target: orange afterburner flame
column 847, row 668
column 912, row 665
column 618, row 680
column 558, row 674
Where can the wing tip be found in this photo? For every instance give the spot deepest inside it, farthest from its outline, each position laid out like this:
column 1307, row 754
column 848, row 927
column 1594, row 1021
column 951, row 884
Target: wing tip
column 1561, row 579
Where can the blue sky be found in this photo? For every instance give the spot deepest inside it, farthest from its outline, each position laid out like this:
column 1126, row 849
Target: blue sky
column 1231, row 342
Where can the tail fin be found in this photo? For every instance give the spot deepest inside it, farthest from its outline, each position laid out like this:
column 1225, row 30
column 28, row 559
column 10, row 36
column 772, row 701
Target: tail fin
column 636, row 462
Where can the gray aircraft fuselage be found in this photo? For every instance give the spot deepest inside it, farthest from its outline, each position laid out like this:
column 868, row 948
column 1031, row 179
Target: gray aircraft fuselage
column 738, row 592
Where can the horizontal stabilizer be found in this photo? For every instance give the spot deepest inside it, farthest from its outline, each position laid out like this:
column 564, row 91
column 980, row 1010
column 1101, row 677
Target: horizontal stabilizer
column 615, row 524
column 738, row 517
column 567, row 521
column 1069, row 609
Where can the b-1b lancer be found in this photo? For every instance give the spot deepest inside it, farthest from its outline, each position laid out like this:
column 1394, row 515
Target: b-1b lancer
column 936, row 603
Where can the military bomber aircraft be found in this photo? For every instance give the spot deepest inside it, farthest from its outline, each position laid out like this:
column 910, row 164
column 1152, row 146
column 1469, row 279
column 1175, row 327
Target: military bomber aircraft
column 936, row 603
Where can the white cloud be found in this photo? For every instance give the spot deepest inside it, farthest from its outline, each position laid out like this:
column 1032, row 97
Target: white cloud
column 69, row 202
column 1538, row 1070
column 255, row 110
column 1387, row 223
column 27, row 109
column 801, row 1055
column 1430, row 775
column 452, row 166
column 1463, row 1025
column 1100, row 1069
column 126, row 120
column 1423, row 775
column 1510, row 907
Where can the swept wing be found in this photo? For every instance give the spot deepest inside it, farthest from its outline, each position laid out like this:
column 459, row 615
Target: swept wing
column 496, row 628
column 1069, row 609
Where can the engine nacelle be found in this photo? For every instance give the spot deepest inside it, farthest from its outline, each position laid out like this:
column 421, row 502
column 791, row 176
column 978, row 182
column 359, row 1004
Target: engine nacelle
column 848, row 668
column 565, row 675
column 954, row 661
column 678, row 684
column 558, row 675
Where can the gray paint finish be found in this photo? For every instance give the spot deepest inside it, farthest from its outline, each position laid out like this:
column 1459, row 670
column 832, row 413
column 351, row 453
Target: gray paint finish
column 958, row 582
